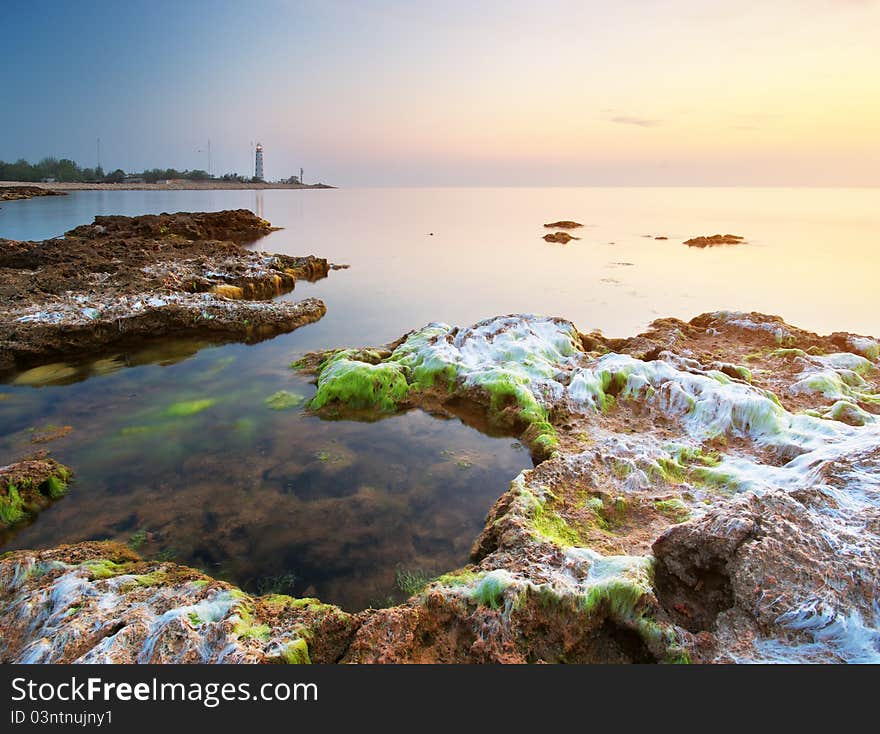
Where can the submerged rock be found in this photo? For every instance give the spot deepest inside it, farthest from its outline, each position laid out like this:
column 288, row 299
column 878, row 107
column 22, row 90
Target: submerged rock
column 284, row 400
column 714, row 240
column 127, row 278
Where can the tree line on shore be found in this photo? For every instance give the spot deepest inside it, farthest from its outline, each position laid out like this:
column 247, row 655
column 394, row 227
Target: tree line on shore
column 66, row 170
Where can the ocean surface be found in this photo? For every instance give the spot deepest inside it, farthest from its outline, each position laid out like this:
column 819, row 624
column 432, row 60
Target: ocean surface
column 285, row 501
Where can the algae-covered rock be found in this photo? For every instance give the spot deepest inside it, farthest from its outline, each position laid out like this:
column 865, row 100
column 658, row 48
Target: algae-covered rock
column 506, row 364
column 662, row 444
column 360, row 385
column 683, row 508
column 100, row 603
column 27, row 487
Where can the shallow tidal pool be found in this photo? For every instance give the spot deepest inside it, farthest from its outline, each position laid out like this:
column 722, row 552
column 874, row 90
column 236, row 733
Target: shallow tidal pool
column 189, row 461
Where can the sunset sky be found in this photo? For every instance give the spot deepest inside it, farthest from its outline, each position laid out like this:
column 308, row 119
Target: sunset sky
column 559, row 92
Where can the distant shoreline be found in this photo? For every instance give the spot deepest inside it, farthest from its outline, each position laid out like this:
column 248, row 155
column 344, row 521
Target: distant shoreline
column 171, row 186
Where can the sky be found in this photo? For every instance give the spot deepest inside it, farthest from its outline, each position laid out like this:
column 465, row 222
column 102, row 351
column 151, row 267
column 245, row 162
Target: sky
column 471, row 93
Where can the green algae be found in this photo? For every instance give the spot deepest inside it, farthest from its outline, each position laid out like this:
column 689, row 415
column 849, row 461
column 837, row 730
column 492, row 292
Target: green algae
column 363, row 380
column 850, row 413
column 305, row 603
column 154, row 578
column 284, row 400
column 411, row 581
column 505, row 388
column 55, row 487
column 687, row 455
column 489, row 591
column 841, row 385
column 674, row 509
column 715, row 478
column 360, row 385
column 462, row 577
column 618, row 598
column 789, row 353
column 872, row 352
column 11, row 506
column 691, row 464
column 18, row 500
column 670, row 471
column 553, row 527
column 621, row 469
column 296, row 652
column 246, row 629
column 186, row 408
column 103, row 568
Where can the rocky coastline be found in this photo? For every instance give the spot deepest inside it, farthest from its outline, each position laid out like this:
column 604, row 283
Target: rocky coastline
column 25, row 191
column 124, row 279
column 707, row 491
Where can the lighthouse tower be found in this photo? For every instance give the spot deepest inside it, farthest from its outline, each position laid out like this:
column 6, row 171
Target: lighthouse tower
column 258, row 162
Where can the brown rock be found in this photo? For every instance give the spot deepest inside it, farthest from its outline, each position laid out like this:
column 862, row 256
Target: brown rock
column 715, row 240
column 561, row 238
column 13, row 193
column 124, row 278
column 563, row 224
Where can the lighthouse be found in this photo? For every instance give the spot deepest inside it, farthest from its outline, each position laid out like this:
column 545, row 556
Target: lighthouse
column 258, row 162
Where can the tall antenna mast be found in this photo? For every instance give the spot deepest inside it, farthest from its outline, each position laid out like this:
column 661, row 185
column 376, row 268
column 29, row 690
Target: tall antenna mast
column 210, row 168
column 99, row 152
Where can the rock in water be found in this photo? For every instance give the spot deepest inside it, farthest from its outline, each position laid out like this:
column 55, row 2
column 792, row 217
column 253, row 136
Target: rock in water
column 123, row 278
column 715, row 240
column 563, row 224
column 561, row 238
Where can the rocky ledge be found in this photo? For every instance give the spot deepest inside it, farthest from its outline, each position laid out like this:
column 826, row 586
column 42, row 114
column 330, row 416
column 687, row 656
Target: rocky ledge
column 707, row 491
column 14, row 193
column 129, row 278
column 100, row 603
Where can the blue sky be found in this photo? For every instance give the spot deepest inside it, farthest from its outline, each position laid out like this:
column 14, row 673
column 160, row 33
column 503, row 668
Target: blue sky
column 562, row 92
